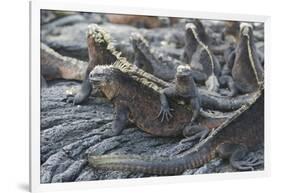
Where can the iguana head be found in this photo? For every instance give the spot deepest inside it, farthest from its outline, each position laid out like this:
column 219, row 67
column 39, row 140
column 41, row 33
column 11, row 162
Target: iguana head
column 137, row 39
column 195, row 30
column 106, row 78
column 246, row 30
column 190, row 28
column 183, row 71
column 101, row 76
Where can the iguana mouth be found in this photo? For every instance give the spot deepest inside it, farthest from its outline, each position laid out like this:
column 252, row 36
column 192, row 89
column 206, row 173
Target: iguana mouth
column 98, row 76
column 97, row 81
column 179, row 75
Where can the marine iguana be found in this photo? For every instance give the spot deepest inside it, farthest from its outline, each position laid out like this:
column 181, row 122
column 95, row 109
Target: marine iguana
column 232, row 140
column 102, row 52
column 244, row 65
column 152, row 61
column 157, row 63
column 136, row 99
column 205, row 66
column 163, row 67
column 184, row 87
column 56, row 66
column 190, row 42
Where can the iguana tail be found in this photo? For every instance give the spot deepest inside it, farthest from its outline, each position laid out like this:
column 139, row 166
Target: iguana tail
column 213, row 101
column 152, row 165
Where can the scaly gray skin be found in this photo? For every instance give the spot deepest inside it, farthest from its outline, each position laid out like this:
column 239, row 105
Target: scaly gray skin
column 184, row 87
column 205, row 66
column 191, row 44
column 232, row 140
column 102, row 52
column 244, row 64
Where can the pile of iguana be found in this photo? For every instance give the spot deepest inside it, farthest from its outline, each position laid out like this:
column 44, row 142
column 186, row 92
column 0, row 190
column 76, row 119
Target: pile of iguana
column 204, row 65
column 136, row 96
column 139, row 103
column 102, row 52
column 137, row 100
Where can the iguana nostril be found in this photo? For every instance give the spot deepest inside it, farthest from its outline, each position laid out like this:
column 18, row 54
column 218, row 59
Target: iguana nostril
column 91, row 75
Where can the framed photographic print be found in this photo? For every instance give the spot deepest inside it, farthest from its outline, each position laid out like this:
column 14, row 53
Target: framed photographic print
column 120, row 96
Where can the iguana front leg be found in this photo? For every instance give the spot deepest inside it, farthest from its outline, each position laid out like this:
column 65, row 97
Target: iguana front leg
column 82, row 95
column 84, row 91
column 195, row 105
column 165, row 111
column 237, row 155
column 228, row 80
column 120, row 120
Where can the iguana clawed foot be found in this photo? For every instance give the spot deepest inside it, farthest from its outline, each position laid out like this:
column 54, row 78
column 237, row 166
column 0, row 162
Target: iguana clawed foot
column 193, row 132
column 239, row 157
column 82, row 95
column 246, row 165
column 71, row 99
column 165, row 113
column 74, row 99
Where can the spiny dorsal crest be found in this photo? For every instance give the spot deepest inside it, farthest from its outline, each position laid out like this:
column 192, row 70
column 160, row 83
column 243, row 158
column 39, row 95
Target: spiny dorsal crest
column 153, row 55
column 137, row 37
column 142, row 44
column 139, row 74
column 102, row 38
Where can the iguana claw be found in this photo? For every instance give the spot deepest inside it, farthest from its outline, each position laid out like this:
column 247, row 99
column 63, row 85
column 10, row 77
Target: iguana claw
column 165, row 113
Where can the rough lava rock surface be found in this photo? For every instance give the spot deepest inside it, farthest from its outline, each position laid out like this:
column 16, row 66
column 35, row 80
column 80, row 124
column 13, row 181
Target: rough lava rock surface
column 70, row 133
